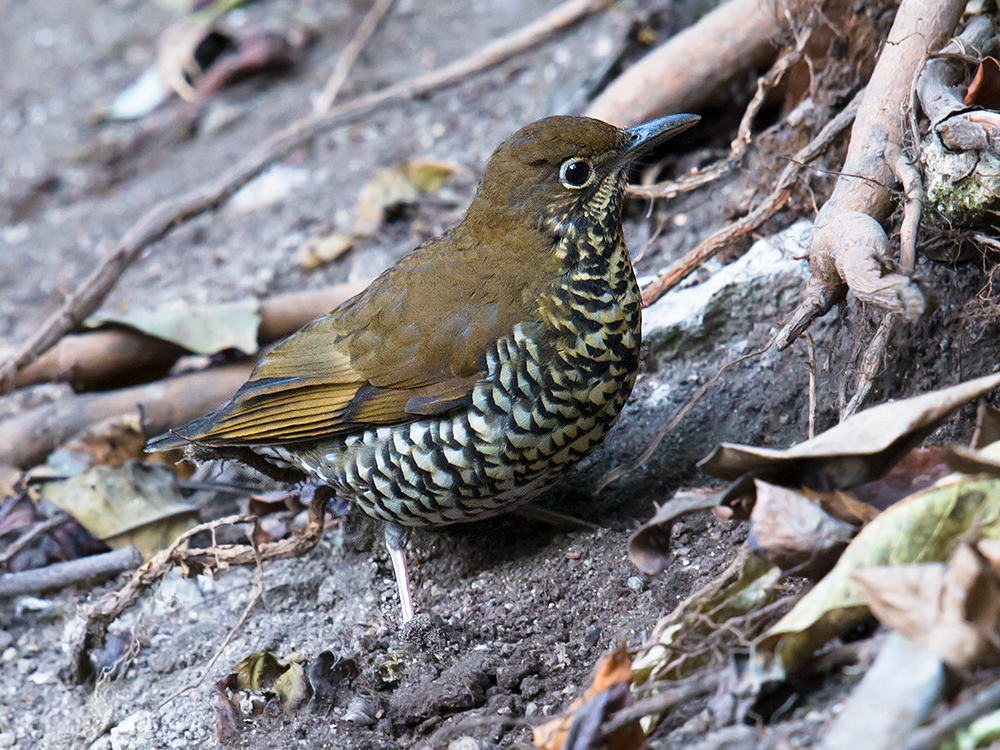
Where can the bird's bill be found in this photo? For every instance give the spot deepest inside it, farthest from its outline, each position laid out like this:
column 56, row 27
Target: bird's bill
column 648, row 135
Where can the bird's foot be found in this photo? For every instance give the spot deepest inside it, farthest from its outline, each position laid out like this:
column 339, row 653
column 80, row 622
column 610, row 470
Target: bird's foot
column 395, row 541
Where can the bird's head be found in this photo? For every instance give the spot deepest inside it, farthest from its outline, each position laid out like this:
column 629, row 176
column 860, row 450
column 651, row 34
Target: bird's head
column 563, row 173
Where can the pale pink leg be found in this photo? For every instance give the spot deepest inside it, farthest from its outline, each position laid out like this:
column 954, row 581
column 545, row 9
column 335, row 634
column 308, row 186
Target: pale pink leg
column 395, row 542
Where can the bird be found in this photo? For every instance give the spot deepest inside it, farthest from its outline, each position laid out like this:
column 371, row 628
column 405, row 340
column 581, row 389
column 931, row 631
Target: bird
column 476, row 370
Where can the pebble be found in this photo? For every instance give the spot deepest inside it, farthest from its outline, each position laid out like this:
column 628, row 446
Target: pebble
column 7, row 739
column 9, row 654
column 636, row 584
column 135, row 732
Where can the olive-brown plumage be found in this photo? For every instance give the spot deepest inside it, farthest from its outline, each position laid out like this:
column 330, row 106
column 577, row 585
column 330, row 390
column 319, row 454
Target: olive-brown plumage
column 475, row 370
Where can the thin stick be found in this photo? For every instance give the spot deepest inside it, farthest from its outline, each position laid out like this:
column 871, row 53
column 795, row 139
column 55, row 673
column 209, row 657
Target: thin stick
column 350, row 55
column 167, row 215
column 870, row 363
column 64, row 574
column 30, row 535
column 678, row 271
column 217, row 558
column 985, row 701
column 659, row 702
column 257, row 594
column 811, row 369
column 737, row 150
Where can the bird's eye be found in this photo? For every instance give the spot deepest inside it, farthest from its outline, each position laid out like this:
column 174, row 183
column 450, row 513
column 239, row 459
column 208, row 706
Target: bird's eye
column 576, row 173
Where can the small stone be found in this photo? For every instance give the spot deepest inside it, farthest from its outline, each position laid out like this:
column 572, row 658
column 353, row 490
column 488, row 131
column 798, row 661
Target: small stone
column 591, row 636
column 636, row 584
column 135, row 732
column 6, row 639
column 7, row 739
column 464, row 743
column 101, row 743
column 9, row 654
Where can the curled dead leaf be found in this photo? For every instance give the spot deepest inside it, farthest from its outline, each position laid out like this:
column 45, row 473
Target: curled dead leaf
column 319, row 250
column 649, row 545
column 984, row 91
column 924, row 528
column 795, row 533
column 860, row 449
column 613, row 669
column 952, row 609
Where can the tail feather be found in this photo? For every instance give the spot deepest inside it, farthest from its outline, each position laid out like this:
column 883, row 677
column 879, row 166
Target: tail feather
column 182, row 436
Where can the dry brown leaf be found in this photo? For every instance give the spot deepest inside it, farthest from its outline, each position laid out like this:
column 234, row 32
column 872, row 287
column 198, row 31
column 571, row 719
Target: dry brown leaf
column 924, row 528
column 430, row 175
column 613, row 668
column 392, row 187
column 984, row 91
column 127, row 504
column 860, row 449
column 952, row 609
column 319, row 250
column 795, row 533
column 649, row 545
column 113, row 442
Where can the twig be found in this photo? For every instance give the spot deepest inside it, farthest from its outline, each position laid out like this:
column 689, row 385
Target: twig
column 811, row 370
column 870, row 363
column 913, row 187
column 63, row 574
column 655, row 704
column 29, row 438
column 30, row 535
column 216, row 558
column 674, row 274
column 257, row 594
column 167, row 215
column 120, row 356
column 985, row 701
column 350, row 55
column 738, row 149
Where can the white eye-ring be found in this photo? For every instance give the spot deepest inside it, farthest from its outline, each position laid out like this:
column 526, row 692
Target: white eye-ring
column 576, row 173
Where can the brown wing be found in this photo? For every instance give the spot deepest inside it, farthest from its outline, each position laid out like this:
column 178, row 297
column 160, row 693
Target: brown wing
column 412, row 344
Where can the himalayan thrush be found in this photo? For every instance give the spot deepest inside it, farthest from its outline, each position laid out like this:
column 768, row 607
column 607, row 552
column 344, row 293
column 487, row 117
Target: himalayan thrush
column 476, row 370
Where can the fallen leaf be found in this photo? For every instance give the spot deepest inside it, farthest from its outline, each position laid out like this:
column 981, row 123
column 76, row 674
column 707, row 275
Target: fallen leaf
column 430, row 175
column 127, row 504
column 795, row 533
column 205, row 329
column 952, row 609
column 860, row 449
column 649, row 545
column 612, row 669
column 673, row 650
column 923, row 528
column 388, row 188
column 264, row 675
column 111, row 442
column 984, row 91
column 393, row 187
column 317, row 251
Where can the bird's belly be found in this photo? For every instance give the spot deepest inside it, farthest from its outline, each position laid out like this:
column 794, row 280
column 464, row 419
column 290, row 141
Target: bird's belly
column 527, row 423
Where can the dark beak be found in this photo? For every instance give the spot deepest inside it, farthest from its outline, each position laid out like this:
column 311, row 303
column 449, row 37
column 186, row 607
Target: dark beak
column 648, row 135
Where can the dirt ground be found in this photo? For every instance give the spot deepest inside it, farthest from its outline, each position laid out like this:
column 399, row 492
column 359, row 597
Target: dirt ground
column 513, row 614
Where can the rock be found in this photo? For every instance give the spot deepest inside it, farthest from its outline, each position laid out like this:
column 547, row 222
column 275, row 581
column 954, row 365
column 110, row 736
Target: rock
column 135, row 732
column 460, row 687
column 7, row 739
column 519, row 665
column 738, row 737
column 768, row 279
